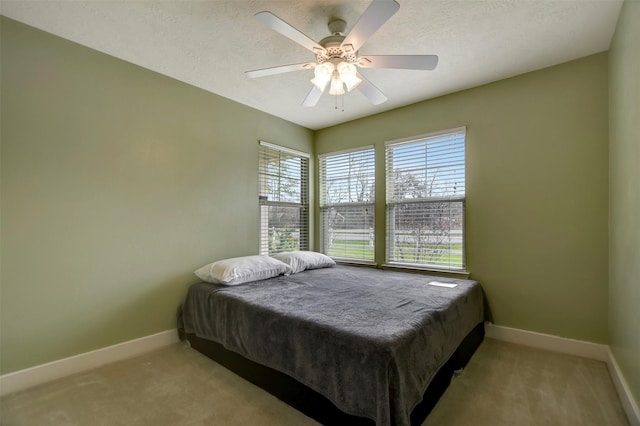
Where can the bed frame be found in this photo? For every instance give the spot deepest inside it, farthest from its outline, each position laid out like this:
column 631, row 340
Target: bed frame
column 317, row 406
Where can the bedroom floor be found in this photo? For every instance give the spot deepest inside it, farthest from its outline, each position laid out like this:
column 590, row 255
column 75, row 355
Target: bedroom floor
column 504, row 384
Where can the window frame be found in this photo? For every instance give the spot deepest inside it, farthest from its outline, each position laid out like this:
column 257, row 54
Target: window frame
column 371, row 204
column 265, row 150
column 391, row 204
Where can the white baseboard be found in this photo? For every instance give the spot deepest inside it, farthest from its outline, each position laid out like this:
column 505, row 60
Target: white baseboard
column 23, row 379
column 626, row 398
column 548, row 342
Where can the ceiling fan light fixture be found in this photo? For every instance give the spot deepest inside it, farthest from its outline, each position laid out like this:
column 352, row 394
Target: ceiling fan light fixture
column 337, row 86
column 322, row 74
column 349, row 75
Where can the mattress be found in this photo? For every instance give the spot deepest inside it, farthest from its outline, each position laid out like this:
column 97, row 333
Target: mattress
column 368, row 340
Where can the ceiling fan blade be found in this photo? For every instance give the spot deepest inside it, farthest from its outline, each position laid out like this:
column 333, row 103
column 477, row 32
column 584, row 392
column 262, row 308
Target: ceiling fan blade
column 409, row 62
column 313, row 97
column 278, row 25
column 279, row 70
column 371, row 92
column 378, row 12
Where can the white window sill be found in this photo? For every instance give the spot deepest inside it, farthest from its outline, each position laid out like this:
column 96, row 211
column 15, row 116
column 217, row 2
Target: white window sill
column 426, row 270
column 349, row 262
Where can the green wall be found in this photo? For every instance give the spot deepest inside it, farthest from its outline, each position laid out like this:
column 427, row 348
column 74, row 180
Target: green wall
column 117, row 183
column 624, row 195
column 537, row 191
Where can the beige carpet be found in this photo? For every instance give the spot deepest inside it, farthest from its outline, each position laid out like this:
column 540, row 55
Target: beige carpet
column 504, row 384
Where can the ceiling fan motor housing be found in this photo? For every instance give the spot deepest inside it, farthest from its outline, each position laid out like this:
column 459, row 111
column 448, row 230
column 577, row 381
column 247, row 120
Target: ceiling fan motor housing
column 333, row 44
column 334, row 50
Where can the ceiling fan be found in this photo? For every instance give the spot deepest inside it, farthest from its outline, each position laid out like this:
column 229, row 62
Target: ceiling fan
column 337, row 55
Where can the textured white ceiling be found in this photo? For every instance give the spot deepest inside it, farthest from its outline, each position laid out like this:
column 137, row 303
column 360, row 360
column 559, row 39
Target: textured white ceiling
column 210, row 44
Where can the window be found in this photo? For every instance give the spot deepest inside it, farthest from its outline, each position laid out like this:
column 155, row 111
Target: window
column 426, row 200
column 283, row 199
column 347, row 184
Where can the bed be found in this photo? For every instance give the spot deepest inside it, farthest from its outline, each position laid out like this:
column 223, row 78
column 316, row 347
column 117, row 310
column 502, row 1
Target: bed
column 344, row 345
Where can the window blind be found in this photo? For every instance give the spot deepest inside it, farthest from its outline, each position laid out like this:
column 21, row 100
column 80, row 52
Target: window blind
column 283, row 199
column 425, row 185
column 347, row 196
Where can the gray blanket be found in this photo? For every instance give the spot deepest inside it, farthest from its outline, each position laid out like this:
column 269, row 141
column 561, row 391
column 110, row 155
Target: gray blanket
column 368, row 340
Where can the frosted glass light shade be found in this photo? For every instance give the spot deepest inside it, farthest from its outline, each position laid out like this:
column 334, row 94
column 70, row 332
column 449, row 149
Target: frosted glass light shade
column 322, row 73
column 342, row 75
column 349, row 75
column 336, row 87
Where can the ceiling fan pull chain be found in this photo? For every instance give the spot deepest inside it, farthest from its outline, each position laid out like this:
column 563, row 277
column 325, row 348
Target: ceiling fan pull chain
column 341, row 101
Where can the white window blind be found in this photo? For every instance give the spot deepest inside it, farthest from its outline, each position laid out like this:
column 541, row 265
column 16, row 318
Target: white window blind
column 347, row 196
column 283, row 199
column 426, row 200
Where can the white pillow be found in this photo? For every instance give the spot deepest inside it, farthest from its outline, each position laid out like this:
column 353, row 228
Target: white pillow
column 303, row 260
column 238, row 270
